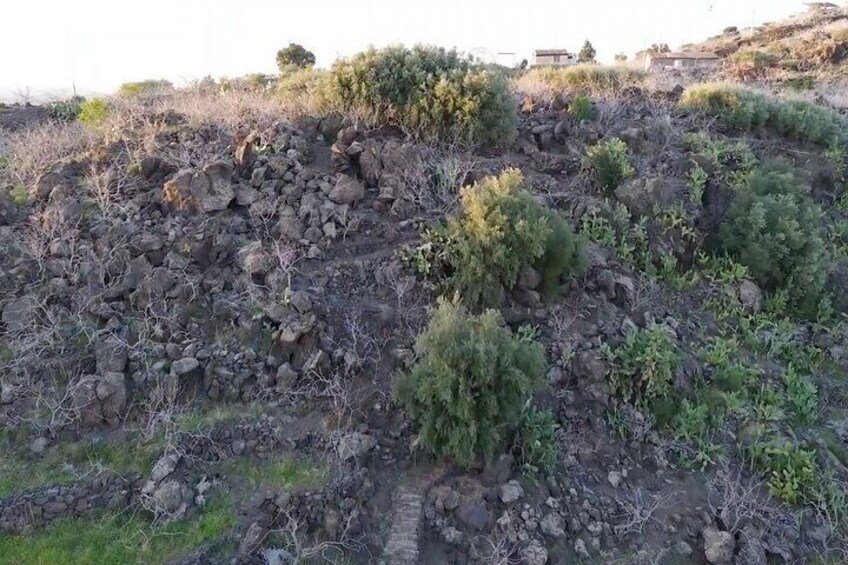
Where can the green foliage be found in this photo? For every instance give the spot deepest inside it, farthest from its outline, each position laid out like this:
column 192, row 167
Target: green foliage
column 642, row 368
column 19, row 195
column 279, row 474
column 747, row 110
column 94, row 112
column 609, row 164
column 148, row 86
column 697, row 184
column 791, row 471
column 585, row 78
column 615, row 230
column 773, row 229
column 431, row 92
column 536, row 445
column 470, row 382
column 801, row 396
column 294, row 56
column 837, row 156
column 732, row 160
column 66, row 110
column 587, row 53
column 499, row 228
column 580, row 108
column 20, row 470
column 120, row 538
column 298, row 81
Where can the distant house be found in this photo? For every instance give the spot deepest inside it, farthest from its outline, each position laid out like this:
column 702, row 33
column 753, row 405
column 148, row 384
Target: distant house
column 553, row 58
column 679, row 60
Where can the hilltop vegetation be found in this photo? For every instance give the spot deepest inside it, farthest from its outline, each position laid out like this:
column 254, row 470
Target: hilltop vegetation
column 414, row 308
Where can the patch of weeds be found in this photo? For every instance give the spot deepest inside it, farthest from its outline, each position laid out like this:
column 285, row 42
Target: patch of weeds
column 791, row 471
column 642, row 371
column 697, row 184
column 279, row 474
column 768, row 405
column 801, row 397
column 629, row 240
column 695, row 421
column 732, row 160
column 675, row 218
column 536, row 444
column 204, row 419
column 68, row 463
column 120, row 538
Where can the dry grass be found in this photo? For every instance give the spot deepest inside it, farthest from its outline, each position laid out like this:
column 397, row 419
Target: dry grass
column 597, row 80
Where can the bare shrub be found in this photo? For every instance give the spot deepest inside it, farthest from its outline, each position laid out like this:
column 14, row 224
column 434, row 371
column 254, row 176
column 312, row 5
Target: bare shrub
column 33, row 150
column 638, row 510
column 734, row 500
column 434, row 183
column 233, row 109
column 292, row 529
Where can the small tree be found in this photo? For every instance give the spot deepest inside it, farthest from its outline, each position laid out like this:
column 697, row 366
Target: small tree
column 472, row 377
column 659, row 48
column 587, row 53
column 620, row 57
column 294, row 56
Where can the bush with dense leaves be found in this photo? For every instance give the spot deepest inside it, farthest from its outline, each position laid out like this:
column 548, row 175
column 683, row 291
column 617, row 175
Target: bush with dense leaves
column 431, row 92
column 772, row 227
column 94, row 112
column 743, row 109
column 609, row 164
column 470, row 382
column 499, row 229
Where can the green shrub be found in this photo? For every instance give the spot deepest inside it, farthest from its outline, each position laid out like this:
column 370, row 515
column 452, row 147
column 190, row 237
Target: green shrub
column 536, row 446
column 499, row 228
column 467, row 388
column 298, row 82
column 144, row 87
column 584, row 78
column 94, row 112
column 747, row 110
column 431, row 92
column 580, row 107
column 609, row 164
column 772, row 228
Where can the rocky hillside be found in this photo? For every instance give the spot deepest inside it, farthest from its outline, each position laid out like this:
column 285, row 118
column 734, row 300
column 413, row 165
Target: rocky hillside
column 585, row 321
column 801, row 51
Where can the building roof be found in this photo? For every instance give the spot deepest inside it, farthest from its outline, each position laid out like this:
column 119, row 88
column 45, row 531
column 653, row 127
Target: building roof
column 674, row 55
column 551, row 52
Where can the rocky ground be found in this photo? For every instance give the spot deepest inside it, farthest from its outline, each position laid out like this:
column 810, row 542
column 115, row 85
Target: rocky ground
column 200, row 326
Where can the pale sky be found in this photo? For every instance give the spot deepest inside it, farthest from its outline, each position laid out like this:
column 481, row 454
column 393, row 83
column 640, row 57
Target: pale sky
column 48, row 45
